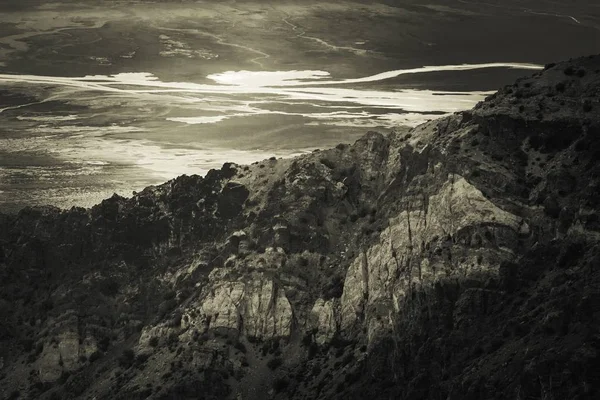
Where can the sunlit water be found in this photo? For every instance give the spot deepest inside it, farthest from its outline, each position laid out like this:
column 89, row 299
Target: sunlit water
column 74, row 140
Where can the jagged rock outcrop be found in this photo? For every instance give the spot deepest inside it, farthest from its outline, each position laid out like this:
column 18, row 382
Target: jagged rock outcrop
column 455, row 260
column 453, row 233
column 254, row 306
column 325, row 320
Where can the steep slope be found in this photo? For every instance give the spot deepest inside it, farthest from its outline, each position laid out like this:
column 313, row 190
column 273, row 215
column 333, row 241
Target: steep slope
column 456, row 260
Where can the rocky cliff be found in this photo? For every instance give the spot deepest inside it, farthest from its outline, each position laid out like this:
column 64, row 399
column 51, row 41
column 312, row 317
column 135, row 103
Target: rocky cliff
column 456, row 260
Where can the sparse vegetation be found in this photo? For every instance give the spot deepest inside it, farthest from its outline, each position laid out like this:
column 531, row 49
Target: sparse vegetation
column 274, row 363
column 94, row 356
column 569, row 71
column 328, row 163
column 126, row 359
column 503, row 267
column 280, row 384
column 241, row 347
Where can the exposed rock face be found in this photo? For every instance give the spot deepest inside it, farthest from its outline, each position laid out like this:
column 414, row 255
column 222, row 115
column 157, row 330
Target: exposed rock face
column 254, row 306
column 325, row 320
column 441, row 236
column 456, row 260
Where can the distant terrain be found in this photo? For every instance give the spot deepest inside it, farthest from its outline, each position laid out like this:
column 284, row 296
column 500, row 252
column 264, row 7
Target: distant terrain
column 71, row 133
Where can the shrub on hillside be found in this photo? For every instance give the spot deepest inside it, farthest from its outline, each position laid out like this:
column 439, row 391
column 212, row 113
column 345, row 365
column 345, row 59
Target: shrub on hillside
column 569, row 71
column 240, row 346
column 274, row 363
column 328, row 163
column 280, row 384
column 126, row 358
column 104, row 343
column 94, row 356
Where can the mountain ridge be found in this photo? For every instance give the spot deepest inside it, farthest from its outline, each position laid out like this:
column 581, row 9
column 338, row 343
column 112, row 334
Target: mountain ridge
column 455, row 260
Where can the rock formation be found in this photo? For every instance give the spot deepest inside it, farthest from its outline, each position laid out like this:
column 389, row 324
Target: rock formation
column 455, row 260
